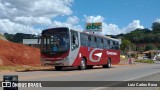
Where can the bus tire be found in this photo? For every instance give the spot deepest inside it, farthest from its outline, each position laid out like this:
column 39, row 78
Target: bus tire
column 108, row 65
column 82, row 65
column 58, row 68
column 89, row 66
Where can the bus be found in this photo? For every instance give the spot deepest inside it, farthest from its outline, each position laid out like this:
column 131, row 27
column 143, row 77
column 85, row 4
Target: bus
column 64, row 47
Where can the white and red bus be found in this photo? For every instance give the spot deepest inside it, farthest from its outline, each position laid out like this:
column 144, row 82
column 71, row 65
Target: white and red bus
column 63, row 47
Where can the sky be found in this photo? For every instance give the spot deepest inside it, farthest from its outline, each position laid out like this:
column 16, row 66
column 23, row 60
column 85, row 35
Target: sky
column 117, row 16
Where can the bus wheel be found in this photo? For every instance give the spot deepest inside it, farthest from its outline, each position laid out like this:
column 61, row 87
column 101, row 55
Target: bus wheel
column 108, row 65
column 58, row 68
column 89, row 66
column 82, row 65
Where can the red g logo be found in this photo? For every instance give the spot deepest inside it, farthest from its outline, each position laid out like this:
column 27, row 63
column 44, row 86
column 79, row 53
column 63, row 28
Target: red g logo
column 98, row 54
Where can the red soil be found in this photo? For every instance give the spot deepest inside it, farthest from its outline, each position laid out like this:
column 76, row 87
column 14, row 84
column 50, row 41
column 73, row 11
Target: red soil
column 12, row 54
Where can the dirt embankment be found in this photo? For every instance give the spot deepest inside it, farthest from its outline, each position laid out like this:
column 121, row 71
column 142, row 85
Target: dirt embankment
column 12, row 54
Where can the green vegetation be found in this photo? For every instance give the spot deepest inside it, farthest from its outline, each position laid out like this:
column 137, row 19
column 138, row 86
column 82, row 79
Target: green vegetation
column 12, row 68
column 9, row 36
column 22, row 68
column 140, row 36
column 145, row 61
column 150, row 47
column 124, row 46
column 141, row 39
column 18, row 37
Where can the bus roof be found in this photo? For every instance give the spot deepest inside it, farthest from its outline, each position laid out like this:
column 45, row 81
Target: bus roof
column 101, row 36
column 80, row 31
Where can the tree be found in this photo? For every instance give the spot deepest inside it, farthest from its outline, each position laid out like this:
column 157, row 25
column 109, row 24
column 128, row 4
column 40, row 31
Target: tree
column 158, row 47
column 150, row 47
column 9, row 36
column 156, row 27
column 125, row 45
column 18, row 37
column 137, row 36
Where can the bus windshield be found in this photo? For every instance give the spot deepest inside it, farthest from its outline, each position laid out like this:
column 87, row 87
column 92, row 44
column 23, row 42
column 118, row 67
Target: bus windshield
column 55, row 40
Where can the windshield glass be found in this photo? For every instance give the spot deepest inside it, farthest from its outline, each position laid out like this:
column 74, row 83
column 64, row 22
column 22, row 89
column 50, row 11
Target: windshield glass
column 55, row 40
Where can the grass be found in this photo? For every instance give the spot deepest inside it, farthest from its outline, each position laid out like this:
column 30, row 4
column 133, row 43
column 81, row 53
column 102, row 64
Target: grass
column 22, row 68
column 145, row 61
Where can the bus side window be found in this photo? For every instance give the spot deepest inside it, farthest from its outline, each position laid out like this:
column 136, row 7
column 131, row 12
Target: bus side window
column 89, row 41
column 84, row 40
column 93, row 41
column 74, row 40
column 116, row 45
column 105, row 44
column 111, row 44
column 108, row 44
column 99, row 42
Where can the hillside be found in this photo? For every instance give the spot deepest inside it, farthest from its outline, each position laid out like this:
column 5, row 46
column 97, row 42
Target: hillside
column 140, row 39
column 141, row 36
column 18, row 54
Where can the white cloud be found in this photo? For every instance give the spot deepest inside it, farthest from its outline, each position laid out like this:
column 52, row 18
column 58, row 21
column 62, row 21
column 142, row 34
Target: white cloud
column 112, row 29
column 11, row 27
column 157, row 20
column 94, row 18
column 22, row 15
column 35, row 8
column 71, row 22
column 27, row 13
column 33, row 20
column 132, row 26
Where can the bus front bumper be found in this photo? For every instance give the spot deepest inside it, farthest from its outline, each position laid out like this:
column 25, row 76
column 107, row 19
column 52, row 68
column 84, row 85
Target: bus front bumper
column 54, row 63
